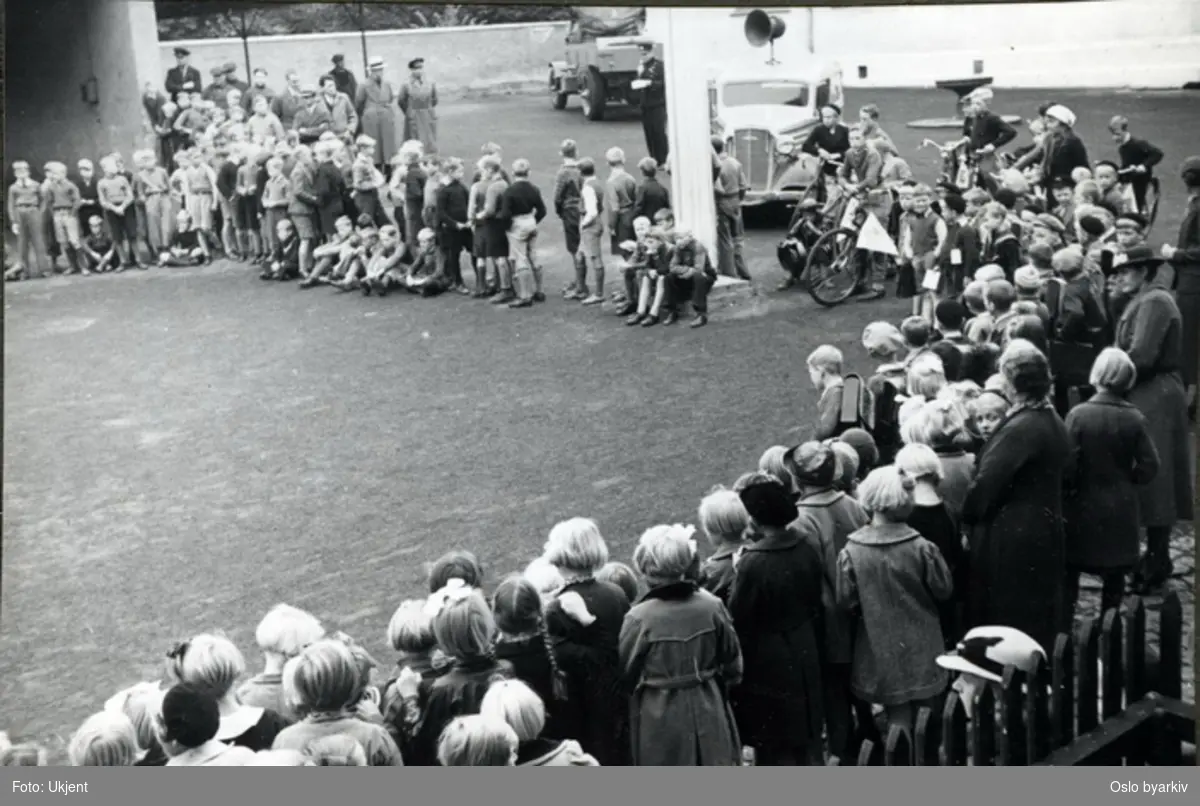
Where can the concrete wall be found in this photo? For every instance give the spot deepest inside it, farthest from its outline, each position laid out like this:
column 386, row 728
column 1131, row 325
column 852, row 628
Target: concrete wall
column 53, row 47
column 469, row 59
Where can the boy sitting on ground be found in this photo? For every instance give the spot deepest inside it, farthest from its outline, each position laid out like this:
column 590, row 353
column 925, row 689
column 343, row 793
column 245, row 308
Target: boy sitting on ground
column 634, row 264
column 654, row 260
column 285, row 261
column 98, row 253
column 422, row 276
column 356, row 263
column 188, row 247
column 331, row 256
column 383, row 261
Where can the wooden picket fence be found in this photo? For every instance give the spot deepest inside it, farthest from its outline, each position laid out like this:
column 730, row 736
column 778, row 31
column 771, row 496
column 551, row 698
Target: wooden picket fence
column 1097, row 702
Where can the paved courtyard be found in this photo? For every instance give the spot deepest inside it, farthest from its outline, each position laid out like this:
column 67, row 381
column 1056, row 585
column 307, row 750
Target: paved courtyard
column 185, row 448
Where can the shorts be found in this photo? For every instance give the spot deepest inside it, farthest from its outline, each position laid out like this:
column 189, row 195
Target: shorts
column 306, row 227
column 246, row 213
column 122, row 227
column 495, row 239
column 199, row 207
column 227, row 210
column 591, row 242
column 479, row 241
column 66, row 228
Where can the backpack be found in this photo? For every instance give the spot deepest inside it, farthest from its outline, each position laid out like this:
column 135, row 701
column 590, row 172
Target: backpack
column 857, row 411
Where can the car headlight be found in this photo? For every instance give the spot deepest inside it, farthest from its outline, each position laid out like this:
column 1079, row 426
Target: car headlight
column 785, row 146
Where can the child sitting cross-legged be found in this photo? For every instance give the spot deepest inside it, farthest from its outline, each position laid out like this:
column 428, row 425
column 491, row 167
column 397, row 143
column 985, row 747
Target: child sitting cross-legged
column 383, row 263
column 284, row 263
column 188, row 247
column 97, row 251
column 423, row 275
column 355, row 265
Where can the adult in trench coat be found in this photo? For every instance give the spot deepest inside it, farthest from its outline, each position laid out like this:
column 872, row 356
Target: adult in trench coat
column 1014, row 509
column 375, row 102
column 418, row 99
column 1150, row 331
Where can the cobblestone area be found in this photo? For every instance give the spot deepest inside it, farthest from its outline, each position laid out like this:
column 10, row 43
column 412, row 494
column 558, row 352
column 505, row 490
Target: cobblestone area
column 1183, row 554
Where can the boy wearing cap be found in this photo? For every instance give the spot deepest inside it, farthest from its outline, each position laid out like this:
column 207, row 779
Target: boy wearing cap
column 958, row 256
column 1138, row 158
column 1029, row 287
column 230, row 71
column 217, row 92
column 1112, row 195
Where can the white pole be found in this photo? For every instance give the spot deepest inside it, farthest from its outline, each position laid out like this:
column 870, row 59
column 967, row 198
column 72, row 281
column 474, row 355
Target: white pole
column 689, row 132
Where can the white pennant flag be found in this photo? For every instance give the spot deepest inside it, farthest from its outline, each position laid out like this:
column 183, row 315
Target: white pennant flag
column 872, row 237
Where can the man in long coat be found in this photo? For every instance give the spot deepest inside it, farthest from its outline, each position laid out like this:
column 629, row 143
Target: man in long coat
column 183, row 77
column 343, row 120
column 418, row 99
column 378, row 116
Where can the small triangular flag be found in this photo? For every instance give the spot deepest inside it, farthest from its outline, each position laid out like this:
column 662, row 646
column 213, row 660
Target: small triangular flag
column 872, row 237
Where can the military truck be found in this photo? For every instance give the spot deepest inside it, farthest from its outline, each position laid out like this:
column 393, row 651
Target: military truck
column 603, row 54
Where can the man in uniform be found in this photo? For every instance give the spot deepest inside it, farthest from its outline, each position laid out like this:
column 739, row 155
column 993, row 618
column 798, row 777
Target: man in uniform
column 652, row 81
column 182, row 77
column 418, row 98
column 346, row 83
column 230, row 71
column 218, row 90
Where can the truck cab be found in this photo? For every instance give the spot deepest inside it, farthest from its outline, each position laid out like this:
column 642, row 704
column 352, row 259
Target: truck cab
column 764, row 115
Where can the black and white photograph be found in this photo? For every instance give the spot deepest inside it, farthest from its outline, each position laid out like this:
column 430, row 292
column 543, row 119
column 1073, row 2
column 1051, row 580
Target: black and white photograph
column 399, row 384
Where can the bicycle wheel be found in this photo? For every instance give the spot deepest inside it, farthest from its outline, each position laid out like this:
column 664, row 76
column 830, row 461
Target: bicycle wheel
column 832, row 270
column 1152, row 196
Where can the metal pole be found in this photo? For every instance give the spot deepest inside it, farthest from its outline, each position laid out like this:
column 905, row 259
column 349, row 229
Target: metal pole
column 362, row 30
column 246, row 44
column 811, row 37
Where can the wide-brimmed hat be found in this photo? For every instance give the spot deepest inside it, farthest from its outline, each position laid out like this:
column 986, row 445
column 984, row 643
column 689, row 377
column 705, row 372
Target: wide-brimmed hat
column 985, row 651
column 1062, row 115
column 1138, row 257
column 416, row 64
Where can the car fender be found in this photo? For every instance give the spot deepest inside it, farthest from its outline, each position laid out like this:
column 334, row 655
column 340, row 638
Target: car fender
column 799, row 173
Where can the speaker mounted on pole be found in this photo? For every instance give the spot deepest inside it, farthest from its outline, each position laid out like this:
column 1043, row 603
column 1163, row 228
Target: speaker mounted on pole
column 763, row 29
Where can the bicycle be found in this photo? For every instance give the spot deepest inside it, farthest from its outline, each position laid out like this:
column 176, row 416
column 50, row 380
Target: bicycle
column 803, row 232
column 1153, row 194
column 836, row 267
column 960, row 167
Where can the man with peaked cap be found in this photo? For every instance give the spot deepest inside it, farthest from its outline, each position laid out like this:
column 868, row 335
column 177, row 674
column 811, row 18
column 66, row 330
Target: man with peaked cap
column 652, row 83
column 230, row 71
column 182, row 77
column 218, row 90
column 375, row 106
column 418, row 98
column 313, row 119
column 345, row 80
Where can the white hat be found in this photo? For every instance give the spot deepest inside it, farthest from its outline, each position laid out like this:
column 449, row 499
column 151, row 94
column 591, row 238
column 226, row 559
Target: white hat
column 376, row 63
column 1062, row 115
column 980, row 94
column 985, row 651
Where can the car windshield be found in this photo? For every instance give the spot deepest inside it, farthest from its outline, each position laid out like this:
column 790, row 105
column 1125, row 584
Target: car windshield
column 774, row 93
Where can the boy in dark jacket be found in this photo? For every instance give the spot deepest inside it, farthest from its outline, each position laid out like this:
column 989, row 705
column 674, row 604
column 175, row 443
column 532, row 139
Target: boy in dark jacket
column 958, row 256
column 329, row 186
column 284, row 263
column 650, row 196
column 453, row 222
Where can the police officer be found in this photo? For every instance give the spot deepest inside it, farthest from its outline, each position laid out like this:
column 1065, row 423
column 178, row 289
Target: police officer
column 652, row 82
column 182, row 77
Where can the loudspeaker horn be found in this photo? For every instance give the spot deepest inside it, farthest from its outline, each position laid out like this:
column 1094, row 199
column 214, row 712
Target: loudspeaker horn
column 762, row 29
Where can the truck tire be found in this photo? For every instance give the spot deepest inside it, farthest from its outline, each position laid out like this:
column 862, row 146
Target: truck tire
column 594, row 94
column 558, row 97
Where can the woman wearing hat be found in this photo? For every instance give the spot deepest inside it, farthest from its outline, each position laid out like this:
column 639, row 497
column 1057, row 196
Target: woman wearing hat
column 1150, row 331
column 1013, row 507
column 775, row 603
column 1062, row 151
column 418, row 99
column 375, row 103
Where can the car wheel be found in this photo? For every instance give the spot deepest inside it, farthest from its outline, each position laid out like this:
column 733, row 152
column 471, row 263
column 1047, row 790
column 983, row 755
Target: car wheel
column 558, row 97
column 593, row 94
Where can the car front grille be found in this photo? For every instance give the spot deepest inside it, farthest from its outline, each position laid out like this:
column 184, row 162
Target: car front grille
column 755, row 150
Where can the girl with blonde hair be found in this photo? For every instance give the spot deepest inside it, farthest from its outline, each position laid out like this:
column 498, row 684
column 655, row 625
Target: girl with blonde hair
column 723, row 519
column 213, row 664
column 106, row 739
column 325, row 682
column 522, row 709
column 890, row 579
column 584, row 620
column 465, row 631
column 477, row 741
column 281, row 635
column 678, row 632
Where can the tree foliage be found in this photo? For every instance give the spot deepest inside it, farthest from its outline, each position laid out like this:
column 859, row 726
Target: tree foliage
column 209, row 19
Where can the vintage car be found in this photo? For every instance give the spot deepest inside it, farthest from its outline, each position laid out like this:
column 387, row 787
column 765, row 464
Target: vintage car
column 602, row 57
column 765, row 114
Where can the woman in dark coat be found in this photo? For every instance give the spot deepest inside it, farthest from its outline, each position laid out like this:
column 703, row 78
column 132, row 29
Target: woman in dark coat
column 584, row 621
column 1111, row 454
column 1150, row 331
column 776, row 608
column 679, row 659
column 1014, row 508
